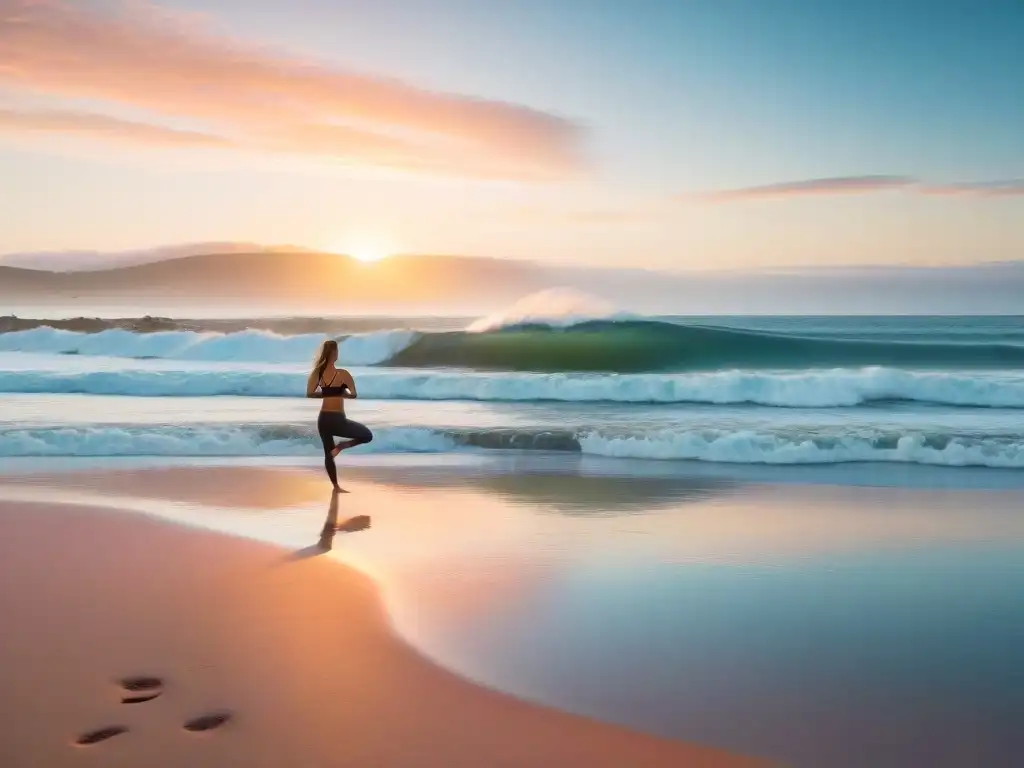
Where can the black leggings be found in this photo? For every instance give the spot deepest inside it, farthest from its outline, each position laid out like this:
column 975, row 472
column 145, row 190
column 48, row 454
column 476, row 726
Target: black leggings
column 331, row 424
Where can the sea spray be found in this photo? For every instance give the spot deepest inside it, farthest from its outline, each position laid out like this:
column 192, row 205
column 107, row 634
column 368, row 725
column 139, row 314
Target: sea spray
column 553, row 308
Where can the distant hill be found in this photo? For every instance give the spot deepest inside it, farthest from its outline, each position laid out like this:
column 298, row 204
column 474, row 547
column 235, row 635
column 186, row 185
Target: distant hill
column 293, row 282
column 79, row 260
column 281, row 278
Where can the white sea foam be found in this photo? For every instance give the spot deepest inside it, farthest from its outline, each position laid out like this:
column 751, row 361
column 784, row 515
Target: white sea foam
column 751, row 447
column 805, row 389
column 243, row 346
column 728, row 446
column 211, row 440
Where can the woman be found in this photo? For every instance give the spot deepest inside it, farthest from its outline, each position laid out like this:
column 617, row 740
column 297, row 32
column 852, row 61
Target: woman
column 336, row 385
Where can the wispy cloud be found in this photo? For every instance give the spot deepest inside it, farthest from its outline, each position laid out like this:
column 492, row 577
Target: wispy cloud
column 102, row 127
column 136, row 55
column 1002, row 188
column 836, row 185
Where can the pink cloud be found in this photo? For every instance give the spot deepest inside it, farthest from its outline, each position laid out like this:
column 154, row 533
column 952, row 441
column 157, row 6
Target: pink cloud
column 141, row 57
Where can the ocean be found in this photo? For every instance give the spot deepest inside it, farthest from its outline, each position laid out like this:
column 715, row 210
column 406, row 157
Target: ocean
column 945, row 391
column 796, row 537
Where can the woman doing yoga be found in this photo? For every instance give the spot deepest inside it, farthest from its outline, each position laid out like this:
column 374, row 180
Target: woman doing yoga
column 335, row 386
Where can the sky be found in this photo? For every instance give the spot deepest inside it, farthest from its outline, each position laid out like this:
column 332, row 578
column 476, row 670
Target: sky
column 665, row 134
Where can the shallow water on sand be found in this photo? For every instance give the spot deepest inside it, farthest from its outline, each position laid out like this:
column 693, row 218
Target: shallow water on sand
column 816, row 622
column 820, row 628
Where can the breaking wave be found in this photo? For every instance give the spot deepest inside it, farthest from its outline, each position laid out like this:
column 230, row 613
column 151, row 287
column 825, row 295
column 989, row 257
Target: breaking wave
column 243, row 346
column 583, row 345
column 739, row 446
column 839, row 387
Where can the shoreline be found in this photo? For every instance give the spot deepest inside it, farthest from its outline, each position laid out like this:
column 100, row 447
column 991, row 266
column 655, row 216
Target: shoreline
column 245, row 627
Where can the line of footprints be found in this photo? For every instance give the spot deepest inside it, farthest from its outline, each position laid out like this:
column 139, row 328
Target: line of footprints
column 137, row 690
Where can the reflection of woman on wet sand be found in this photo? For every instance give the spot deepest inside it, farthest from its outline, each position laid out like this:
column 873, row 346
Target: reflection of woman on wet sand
column 332, row 527
column 335, row 386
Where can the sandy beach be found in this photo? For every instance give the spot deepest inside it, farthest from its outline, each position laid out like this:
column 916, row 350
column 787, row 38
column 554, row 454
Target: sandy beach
column 458, row 384
column 293, row 652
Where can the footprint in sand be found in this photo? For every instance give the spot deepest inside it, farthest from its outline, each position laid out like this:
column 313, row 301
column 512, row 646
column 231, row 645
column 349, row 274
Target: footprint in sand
column 138, row 689
column 141, row 689
column 100, row 734
column 207, row 722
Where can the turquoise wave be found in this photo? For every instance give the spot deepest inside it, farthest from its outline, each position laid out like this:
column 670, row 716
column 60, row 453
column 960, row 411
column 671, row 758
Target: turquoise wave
column 639, row 346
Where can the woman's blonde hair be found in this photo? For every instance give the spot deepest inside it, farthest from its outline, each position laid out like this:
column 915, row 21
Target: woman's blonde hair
column 323, row 356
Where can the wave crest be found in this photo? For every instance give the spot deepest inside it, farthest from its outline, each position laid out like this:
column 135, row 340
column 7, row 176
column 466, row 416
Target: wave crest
column 735, row 447
column 806, row 389
column 552, row 308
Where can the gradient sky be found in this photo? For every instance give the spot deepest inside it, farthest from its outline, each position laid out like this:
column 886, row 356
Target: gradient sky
column 669, row 134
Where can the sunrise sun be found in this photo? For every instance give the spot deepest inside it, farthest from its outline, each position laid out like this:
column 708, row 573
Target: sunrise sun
column 364, row 251
column 368, row 254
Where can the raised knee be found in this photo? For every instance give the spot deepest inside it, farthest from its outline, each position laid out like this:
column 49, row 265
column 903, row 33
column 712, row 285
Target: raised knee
column 368, row 438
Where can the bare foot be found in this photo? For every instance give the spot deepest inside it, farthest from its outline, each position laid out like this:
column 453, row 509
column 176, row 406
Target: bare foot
column 354, row 524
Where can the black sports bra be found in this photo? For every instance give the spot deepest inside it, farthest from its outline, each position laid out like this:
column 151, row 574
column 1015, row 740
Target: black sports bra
column 329, row 390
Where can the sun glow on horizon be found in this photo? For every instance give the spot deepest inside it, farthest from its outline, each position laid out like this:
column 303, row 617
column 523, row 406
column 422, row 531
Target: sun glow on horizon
column 365, row 251
column 368, row 255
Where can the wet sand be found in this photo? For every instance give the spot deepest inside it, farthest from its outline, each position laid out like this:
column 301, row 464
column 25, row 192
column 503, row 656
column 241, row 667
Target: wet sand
column 258, row 657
